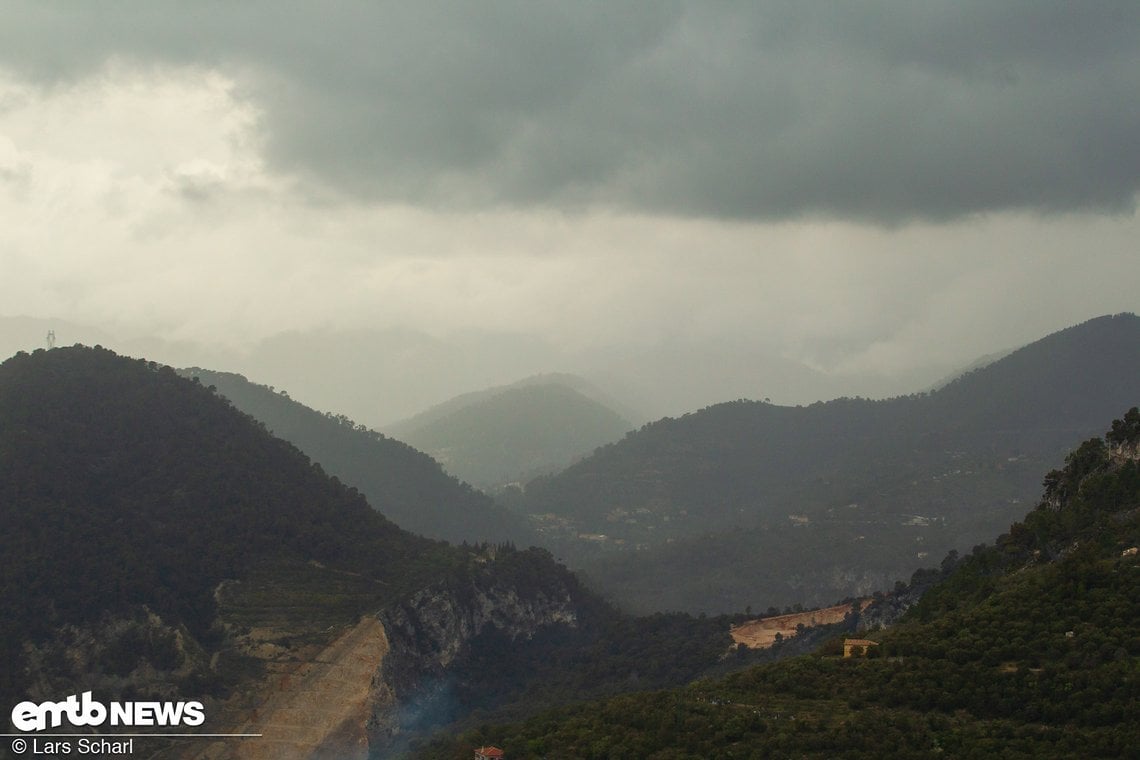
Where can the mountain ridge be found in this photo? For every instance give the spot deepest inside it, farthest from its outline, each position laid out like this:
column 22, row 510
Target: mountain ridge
column 926, row 472
column 567, row 379
column 405, row 484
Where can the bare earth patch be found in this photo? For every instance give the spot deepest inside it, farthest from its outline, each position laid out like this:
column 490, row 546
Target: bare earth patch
column 761, row 633
column 320, row 707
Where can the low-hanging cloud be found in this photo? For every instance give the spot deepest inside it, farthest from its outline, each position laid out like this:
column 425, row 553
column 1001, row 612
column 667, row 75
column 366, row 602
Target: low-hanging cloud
column 884, row 112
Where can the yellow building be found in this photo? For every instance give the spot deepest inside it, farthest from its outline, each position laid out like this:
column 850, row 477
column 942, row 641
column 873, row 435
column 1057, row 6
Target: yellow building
column 857, row 647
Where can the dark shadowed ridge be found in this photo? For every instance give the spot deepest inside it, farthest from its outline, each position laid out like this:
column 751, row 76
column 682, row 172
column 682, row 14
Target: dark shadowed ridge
column 406, row 485
column 124, row 487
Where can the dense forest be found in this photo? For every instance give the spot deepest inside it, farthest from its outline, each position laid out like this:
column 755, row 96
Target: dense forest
column 1026, row 648
column 123, row 485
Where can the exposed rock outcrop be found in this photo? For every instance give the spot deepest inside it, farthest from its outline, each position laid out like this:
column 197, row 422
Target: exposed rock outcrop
column 320, row 708
column 761, row 633
column 432, row 630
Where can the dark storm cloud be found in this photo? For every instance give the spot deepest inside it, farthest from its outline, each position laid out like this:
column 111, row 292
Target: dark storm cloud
column 880, row 111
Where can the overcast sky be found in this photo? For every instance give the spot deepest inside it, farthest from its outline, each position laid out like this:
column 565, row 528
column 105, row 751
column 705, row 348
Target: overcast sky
column 862, row 187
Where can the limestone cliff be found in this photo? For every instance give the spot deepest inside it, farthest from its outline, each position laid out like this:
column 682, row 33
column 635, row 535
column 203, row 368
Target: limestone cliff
column 433, row 629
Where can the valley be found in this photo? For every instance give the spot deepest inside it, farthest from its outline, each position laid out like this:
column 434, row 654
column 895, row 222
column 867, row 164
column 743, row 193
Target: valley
column 321, row 625
column 570, row 381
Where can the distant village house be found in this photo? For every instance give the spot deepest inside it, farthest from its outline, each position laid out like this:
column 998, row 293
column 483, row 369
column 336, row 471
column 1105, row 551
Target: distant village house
column 489, row 753
column 857, row 647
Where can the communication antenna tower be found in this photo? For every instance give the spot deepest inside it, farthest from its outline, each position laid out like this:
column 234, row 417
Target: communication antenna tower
column 51, row 339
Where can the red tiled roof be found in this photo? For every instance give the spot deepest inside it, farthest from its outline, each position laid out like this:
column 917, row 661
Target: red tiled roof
column 489, row 752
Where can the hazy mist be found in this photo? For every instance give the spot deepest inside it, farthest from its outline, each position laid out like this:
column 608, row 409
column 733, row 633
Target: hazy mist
column 382, row 206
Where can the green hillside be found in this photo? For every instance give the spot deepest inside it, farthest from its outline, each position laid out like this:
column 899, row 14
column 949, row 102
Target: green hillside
column 123, row 485
column 752, row 503
column 407, row 486
column 514, row 433
column 158, row 544
column 1027, row 649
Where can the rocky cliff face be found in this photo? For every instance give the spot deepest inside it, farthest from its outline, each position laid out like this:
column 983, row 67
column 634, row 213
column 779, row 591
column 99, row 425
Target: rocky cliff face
column 433, row 630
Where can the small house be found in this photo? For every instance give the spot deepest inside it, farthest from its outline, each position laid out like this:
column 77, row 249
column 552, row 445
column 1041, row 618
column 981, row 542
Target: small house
column 489, row 753
column 857, row 647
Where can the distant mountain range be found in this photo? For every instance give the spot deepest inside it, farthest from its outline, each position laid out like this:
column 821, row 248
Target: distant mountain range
column 406, row 485
column 752, row 503
column 515, row 432
column 379, row 375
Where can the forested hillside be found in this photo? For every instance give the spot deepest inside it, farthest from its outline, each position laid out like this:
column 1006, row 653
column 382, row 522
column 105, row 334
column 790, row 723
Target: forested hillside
column 123, row 485
column 406, row 485
column 1027, row 649
column 751, row 503
column 158, row 543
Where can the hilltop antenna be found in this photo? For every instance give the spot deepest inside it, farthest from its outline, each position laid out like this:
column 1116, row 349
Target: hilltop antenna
column 51, row 339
